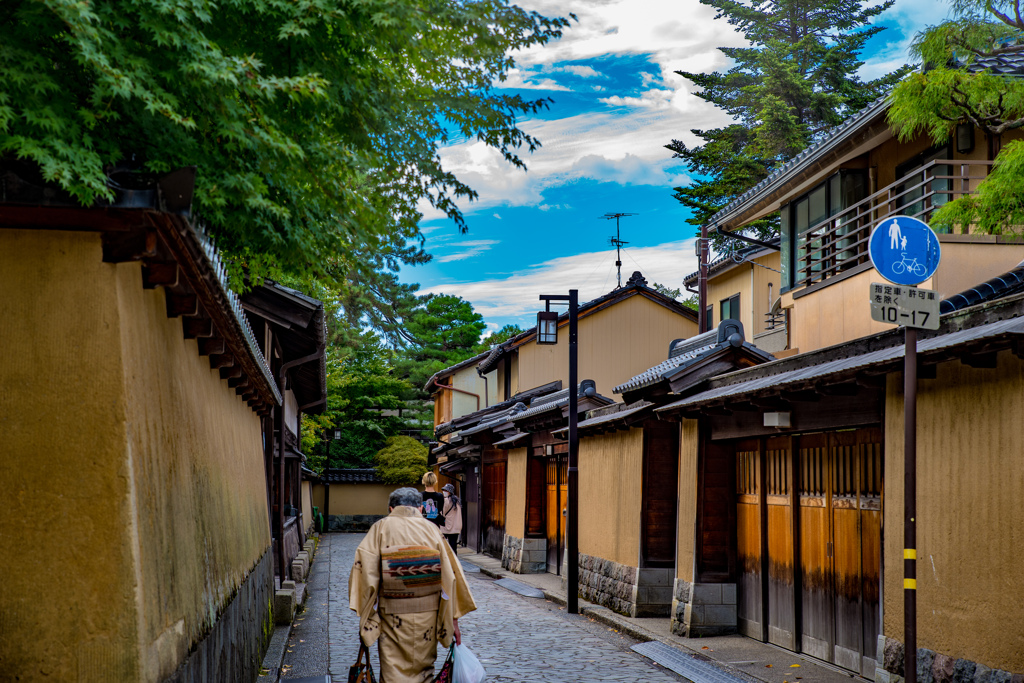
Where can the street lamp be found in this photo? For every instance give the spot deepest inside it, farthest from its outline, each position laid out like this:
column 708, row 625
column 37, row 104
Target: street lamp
column 571, row 524
column 547, row 327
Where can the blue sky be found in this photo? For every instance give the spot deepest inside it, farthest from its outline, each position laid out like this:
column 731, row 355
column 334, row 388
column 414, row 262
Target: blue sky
column 617, row 102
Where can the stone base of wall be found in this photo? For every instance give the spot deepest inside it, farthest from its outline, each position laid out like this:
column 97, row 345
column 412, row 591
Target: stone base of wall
column 233, row 649
column 703, row 609
column 525, row 555
column 631, row 591
column 933, row 667
column 351, row 523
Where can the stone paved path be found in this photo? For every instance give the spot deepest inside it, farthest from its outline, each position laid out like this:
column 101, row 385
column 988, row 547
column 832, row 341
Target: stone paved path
column 517, row 639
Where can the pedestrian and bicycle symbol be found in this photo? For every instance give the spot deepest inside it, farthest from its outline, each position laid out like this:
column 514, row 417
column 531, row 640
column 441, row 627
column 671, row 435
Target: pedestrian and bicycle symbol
column 904, row 250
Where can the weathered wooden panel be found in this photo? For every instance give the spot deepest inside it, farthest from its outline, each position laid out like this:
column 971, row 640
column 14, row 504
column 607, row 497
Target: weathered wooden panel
column 716, row 514
column 846, row 556
column 658, row 516
column 472, row 503
column 557, row 497
column 816, row 603
column 748, row 541
column 536, row 497
column 494, row 487
column 781, row 557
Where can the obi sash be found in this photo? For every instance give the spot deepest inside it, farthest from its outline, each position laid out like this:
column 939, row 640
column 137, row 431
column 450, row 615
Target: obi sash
column 410, row 579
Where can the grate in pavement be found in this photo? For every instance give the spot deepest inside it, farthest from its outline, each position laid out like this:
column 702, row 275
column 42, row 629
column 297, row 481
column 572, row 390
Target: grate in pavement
column 469, row 568
column 687, row 666
column 520, row 587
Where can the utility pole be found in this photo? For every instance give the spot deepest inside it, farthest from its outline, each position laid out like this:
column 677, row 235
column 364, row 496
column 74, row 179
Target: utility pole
column 617, row 241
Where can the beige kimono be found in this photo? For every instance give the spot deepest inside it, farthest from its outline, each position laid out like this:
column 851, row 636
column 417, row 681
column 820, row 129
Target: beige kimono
column 407, row 585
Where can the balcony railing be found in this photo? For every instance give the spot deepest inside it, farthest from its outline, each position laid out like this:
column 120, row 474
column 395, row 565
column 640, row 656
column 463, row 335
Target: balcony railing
column 840, row 242
column 776, row 320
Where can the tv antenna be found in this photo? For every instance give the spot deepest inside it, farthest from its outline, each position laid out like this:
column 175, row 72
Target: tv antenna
column 617, row 241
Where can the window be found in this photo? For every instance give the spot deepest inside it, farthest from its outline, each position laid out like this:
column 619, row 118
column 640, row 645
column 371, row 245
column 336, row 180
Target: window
column 813, row 246
column 730, row 308
column 709, row 316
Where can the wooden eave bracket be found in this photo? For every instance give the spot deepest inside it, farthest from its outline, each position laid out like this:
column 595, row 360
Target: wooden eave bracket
column 194, row 327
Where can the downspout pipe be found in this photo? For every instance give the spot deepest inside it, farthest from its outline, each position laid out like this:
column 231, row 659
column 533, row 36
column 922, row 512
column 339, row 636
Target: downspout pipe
column 281, row 372
column 461, row 391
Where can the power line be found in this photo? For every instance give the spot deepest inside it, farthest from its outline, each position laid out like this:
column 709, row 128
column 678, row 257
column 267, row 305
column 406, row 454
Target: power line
column 617, row 241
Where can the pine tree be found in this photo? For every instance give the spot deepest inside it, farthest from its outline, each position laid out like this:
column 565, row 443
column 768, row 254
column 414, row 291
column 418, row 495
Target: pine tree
column 795, row 82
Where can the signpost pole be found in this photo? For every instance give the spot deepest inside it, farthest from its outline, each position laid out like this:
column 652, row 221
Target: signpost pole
column 910, row 506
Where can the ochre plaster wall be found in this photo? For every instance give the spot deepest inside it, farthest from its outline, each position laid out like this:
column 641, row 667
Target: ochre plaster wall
column 611, row 474
column 199, row 488
column 141, row 464
column 515, row 494
column 965, row 265
column 68, row 602
column 751, row 282
column 970, row 522
column 360, row 499
column 689, row 445
column 615, row 344
column 307, row 504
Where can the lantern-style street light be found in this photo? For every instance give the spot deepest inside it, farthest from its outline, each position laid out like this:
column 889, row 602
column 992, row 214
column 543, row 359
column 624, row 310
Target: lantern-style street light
column 572, row 523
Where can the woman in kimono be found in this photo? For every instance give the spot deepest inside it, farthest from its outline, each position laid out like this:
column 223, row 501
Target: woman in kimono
column 409, row 590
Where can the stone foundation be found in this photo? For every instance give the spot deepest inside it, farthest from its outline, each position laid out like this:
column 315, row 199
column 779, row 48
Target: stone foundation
column 632, row 591
column 351, row 523
column 524, row 555
column 703, row 609
column 233, row 648
column 933, row 667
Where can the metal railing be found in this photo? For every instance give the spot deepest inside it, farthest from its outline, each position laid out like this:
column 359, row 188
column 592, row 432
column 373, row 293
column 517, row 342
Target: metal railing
column 775, row 320
column 840, row 242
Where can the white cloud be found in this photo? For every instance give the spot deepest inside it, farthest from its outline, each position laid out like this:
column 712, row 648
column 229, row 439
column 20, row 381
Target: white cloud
column 498, row 216
column 467, row 249
column 529, row 80
column 655, row 99
column 581, row 70
column 592, row 273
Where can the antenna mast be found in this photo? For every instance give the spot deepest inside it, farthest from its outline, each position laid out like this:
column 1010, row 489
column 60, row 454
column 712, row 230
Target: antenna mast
column 617, row 241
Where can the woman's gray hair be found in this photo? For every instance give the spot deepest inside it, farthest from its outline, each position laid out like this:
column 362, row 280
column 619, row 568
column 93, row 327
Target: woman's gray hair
column 405, row 496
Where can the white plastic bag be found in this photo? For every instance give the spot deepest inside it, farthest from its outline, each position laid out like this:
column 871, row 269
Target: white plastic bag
column 466, row 667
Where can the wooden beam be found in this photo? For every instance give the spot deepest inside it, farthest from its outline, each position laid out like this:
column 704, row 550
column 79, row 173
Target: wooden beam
column 193, row 327
column 771, row 403
column 209, row 346
column 843, row 389
column 119, row 247
column 984, row 361
column 156, row 273
column 716, row 410
column 871, row 380
column 807, row 395
column 230, row 372
column 181, row 304
column 221, row 360
column 241, row 381
column 744, row 407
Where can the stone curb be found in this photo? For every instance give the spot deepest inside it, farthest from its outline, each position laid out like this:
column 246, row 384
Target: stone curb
column 274, row 657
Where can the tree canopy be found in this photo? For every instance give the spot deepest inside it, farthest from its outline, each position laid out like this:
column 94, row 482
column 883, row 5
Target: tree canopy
column 790, row 87
column 315, row 124
column 402, row 461
column 446, row 330
column 955, row 89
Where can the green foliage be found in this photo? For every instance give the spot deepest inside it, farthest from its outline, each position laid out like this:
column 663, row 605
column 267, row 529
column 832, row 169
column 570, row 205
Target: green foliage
column 501, row 336
column 790, row 88
column 667, row 291
column 315, row 124
column 692, row 302
column 402, row 461
column 446, row 330
column 951, row 92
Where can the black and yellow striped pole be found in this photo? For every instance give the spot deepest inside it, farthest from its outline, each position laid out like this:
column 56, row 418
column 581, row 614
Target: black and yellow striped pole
column 910, row 506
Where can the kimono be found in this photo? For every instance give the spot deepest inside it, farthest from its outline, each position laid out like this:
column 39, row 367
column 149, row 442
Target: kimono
column 407, row 586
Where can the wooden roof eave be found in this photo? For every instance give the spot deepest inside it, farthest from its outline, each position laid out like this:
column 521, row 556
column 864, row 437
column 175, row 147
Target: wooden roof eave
column 804, row 177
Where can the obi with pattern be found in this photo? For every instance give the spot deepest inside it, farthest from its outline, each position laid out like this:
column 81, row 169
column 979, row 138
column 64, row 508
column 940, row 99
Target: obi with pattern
column 411, row 579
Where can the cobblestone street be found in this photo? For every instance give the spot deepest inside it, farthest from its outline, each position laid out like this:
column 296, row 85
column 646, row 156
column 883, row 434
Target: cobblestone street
column 516, row 638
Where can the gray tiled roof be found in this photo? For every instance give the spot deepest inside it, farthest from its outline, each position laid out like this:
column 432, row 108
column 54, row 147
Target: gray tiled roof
column 607, row 418
column 782, row 373
column 354, row 476
column 691, row 350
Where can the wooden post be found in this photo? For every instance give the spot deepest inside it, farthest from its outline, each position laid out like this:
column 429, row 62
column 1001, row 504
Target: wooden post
column 572, row 524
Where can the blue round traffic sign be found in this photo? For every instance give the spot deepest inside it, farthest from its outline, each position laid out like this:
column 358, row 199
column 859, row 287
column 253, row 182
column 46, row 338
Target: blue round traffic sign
column 904, row 250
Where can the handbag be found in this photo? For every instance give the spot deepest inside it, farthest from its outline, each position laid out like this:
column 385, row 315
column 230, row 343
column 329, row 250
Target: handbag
column 359, row 672
column 447, row 672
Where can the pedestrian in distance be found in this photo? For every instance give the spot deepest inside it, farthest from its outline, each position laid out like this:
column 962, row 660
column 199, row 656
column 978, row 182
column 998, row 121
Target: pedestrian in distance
column 452, row 511
column 409, row 590
column 433, row 501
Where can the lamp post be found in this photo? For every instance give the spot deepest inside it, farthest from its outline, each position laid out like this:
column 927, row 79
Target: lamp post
column 334, row 435
column 547, row 333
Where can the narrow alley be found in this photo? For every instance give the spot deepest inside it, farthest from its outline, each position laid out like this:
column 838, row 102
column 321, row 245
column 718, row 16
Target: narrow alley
column 516, row 638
